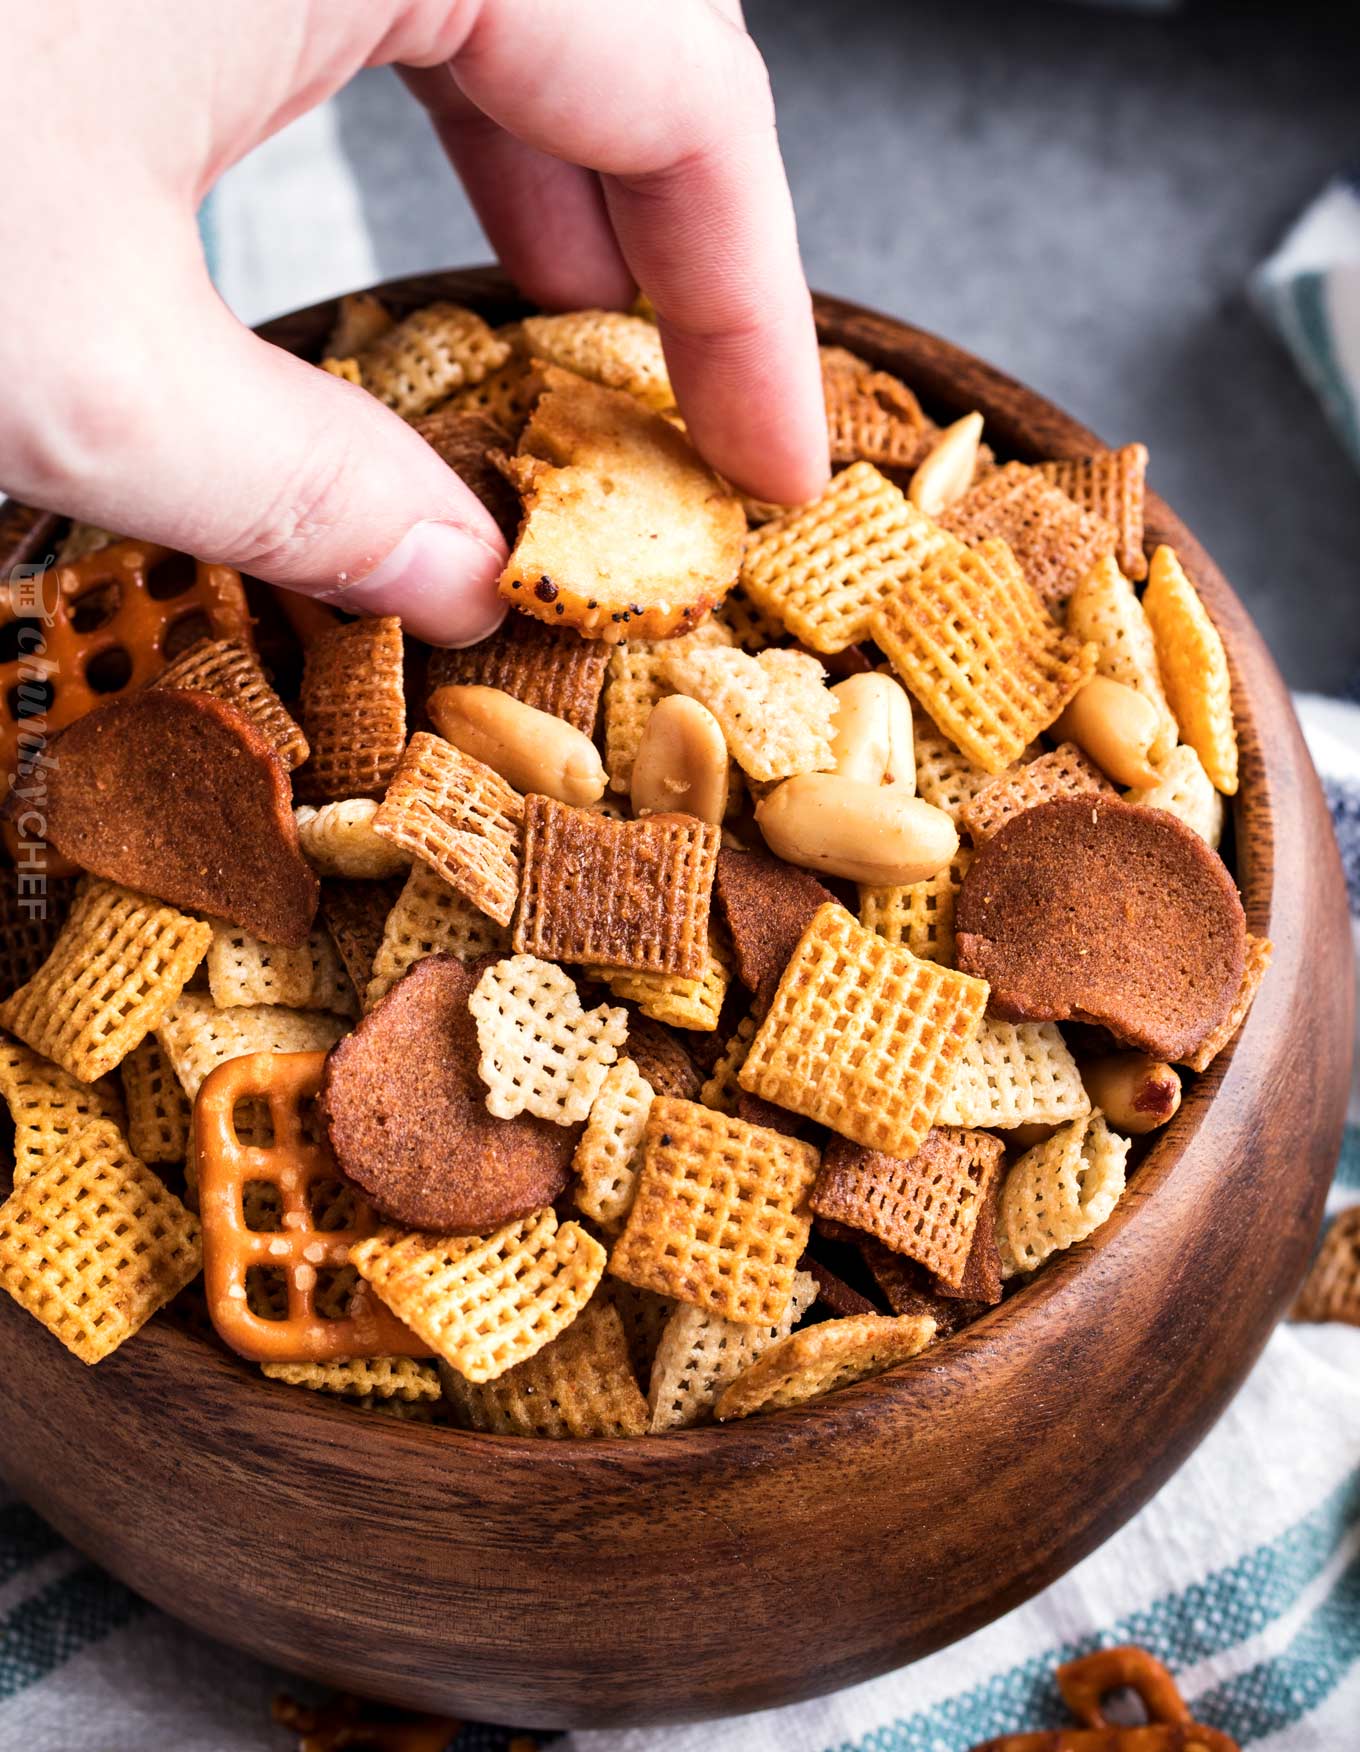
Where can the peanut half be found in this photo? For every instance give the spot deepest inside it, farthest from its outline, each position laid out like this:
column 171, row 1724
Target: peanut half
column 1134, row 1092
column 681, row 762
column 871, row 833
column 530, row 749
column 872, row 738
column 1117, row 726
column 947, row 470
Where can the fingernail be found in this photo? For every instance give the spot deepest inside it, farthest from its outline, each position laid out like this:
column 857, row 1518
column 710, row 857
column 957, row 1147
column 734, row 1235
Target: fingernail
column 441, row 580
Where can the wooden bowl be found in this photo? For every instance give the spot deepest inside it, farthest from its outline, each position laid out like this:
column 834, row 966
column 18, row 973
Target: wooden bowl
column 718, row 1570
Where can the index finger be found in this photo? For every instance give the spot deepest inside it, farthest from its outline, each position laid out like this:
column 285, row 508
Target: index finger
column 671, row 105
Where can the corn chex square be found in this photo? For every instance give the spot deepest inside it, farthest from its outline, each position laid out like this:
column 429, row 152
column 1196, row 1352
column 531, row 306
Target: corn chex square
column 823, row 570
column 606, row 1159
column 619, row 893
column 608, row 346
column 1015, row 1073
column 459, row 817
column 428, row 355
column 158, row 1110
column 542, row 1052
column 581, row 1384
column 700, row 1354
column 862, row 1037
column 925, row 1206
column 1110, row 485
column 636, row 682
column 775, row 710
column 485, row 1302
column 671, row 998
column 370, row 1378
column 974, row 645
column 1066, row 772
column 430, row 917
column 1059, row 1192
column 819, row 1359
column 918, row 915
column 944, row 776
column 352, row 704
column 94, row 1243
column 114, row 973
column 48, row 1106
column 1055, row 541
column 720, row 1217
column 722, row 1091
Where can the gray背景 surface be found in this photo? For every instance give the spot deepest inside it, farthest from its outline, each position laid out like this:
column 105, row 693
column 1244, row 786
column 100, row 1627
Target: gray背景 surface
column 1077, row 194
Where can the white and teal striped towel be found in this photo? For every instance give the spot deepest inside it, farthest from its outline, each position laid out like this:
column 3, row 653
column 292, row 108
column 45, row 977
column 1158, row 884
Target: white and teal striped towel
column 1243, row 1574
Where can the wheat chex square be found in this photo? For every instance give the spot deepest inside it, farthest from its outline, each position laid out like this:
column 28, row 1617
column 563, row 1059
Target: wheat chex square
column 1055, row 541
column 720, row 1217
column 629, row 894
column 974, row 645
column 353, row 709
column 555, row 669
column 862, row 1037
column 1110, row 484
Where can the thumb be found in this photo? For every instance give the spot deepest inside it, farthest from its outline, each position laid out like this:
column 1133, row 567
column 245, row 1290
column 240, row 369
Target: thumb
column 195, row 433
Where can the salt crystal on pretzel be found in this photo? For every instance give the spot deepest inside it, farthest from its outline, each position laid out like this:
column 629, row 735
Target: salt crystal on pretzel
column 114, row 974
column 607, row 346
column 542, row 1051
column 626, row 531
column 459, row 817
column 428, row 355
column 973, row 644
column 115, row 775
column 627, row 894
column 485, row 1303
column 337, row 839
column 775, row 709
column 1054, row 540
column 871, row 415
column 227, row 669
column 158, row 1111
column 1109, row 485
column 1259, row 952
column 48, row 1106
column 1065, row 772
column 819, row 1359
column 925, row 1206
column 353, row 708
column 552, row 668
column 823, row 570
column 197, row 1037
column 919, row 915
column 430, row 917
column 1104, row 610
column 700, row 1354
column 243, row 970
column 636, row 682
column 406, row 1378
column 720, row 1217
column 1194, row 667
column 679, row 1002
column 407, row 1114
column 1186, row 791
column 606, row 1159
column 1332, row 1289
column 862, row 1037
column 767, row 905
column 580, row 1384
column 1059, row 1193
column 94, row 1243
column 1015, row 1074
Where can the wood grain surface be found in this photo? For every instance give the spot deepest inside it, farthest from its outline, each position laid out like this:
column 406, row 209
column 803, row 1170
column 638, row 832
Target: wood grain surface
column 710, row 1571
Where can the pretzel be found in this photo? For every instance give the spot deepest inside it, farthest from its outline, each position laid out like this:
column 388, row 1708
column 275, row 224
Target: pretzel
column 300, row 1166
column 112, row 622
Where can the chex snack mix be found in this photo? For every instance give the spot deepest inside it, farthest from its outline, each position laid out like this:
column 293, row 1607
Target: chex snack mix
column 731, row 979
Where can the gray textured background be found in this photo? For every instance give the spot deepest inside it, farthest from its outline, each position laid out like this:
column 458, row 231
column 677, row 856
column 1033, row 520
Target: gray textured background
column 1076, row 194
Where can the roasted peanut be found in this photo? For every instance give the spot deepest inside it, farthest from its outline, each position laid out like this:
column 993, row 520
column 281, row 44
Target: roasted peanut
column 1117, row 726
column 875, row 834
column 530, row 749
column 946, row 473
column 681, row 762
column 871, row 734
column 1134, row 1092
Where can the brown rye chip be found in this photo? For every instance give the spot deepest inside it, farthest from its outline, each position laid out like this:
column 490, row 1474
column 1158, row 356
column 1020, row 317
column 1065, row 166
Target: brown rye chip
column 767, row 904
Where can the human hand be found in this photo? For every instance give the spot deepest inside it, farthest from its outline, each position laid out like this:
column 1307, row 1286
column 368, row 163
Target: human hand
column 603, row 144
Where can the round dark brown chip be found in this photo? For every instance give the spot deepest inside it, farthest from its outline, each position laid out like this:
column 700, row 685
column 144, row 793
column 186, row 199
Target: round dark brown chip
column 407, row 1114
column 1091, row 909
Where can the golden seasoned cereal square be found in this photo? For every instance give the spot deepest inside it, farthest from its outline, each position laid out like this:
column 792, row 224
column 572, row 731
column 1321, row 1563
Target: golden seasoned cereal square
column 429, row 355
column 429, row 917
column 700, row 1354
column 1055, row 541
column 1194, row 667
column 1015, row 1073
column 819, row 1359
column 918, row 915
